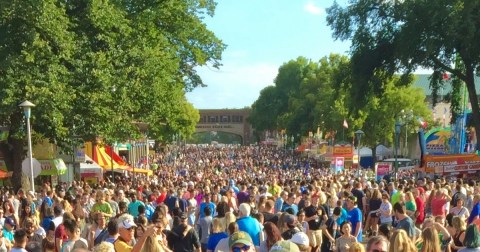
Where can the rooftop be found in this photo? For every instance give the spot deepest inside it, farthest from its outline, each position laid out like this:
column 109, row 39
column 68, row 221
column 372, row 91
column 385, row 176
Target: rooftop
column 423, row 81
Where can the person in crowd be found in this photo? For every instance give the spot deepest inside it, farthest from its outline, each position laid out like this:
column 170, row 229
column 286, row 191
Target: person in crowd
column 475, row 212
column 429, row 240
column 5, row 244
column 183, row 237
column 355, row 217
column 377, row 244
column 20, row 241
column 241, row 242
column 356, row 247
column 400, row 242
column 222, row 245
column 74, row 240
column 371, row 224
column 248, row 224
column 205, row 228
column 218, row 233
column 460, row 226
column 284, row 246
column 301, row 240
column 403, row 220
column 290, row 204
column 134, row 204
column 126, row 227
column 112, row 229
column 472, row 239
column 343, row 243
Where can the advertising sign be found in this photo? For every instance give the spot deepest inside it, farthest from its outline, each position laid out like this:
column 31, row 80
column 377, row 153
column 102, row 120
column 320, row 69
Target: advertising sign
column 339, row 164
column 452, row 163
column 436, row 141
column 342, row 150
column 382, row 169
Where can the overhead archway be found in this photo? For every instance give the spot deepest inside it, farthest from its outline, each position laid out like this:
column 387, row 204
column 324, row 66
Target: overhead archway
column 207, row 137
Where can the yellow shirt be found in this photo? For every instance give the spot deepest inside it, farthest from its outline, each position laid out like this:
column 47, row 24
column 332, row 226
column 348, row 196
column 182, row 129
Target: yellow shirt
column 121, row 246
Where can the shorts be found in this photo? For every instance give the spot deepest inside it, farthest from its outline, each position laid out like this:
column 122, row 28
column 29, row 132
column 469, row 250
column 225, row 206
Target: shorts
column 373, row 215
column 315, row 237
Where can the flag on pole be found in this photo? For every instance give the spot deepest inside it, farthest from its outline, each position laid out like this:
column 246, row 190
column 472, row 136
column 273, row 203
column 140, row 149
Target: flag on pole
column 422, row 122
column 345, row 124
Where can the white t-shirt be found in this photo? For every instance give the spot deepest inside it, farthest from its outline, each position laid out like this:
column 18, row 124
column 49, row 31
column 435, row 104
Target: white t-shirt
column 16, row 249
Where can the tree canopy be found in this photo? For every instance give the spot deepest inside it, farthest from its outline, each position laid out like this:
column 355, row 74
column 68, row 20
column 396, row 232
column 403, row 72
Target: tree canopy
column 94, row 67
column 390, row 37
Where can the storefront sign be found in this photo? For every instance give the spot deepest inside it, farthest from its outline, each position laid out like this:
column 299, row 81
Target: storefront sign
column 52, row 167
column 80, row 155
column 452, row 163
column 342, row 150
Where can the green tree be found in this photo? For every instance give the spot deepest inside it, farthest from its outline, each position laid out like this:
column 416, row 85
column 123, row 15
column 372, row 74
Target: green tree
column 399, row 36
column 95, row 73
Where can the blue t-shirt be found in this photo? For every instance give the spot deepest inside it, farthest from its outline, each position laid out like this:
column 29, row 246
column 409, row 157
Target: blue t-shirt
column 48, row 201
column 46, row 223
column 213, row 240
column 355, row 217
column 8, row 235
column 211, row 205
column 252, row 227
column 475, row 212
column 342, row 217
column 133, row 207
column 293, row 207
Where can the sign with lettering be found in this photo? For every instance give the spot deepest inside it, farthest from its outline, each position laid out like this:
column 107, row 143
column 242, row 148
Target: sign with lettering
column 342, row 150
column 382, row 169
column 452, row 163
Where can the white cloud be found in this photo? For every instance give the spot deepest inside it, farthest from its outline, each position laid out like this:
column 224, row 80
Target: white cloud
column 312, row 8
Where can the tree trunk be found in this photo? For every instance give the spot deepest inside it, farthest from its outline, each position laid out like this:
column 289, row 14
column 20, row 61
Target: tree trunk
column 472, row 94
column 14, row 154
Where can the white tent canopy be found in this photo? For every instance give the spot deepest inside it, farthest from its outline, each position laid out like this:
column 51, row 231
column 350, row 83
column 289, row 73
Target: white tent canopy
column 381, row 151
column 90, row 166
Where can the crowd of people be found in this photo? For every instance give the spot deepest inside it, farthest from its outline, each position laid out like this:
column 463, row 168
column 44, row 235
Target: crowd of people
column 243, row 198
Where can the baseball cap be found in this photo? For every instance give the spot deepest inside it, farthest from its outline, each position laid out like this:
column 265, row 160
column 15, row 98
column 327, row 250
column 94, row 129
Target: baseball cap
column 300, row 238
column 127, row 223
column 240, row 237
column 284, row 246
column 10, row 221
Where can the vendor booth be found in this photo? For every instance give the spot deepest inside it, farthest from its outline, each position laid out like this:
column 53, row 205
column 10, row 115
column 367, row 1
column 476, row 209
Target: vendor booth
column 90, row 171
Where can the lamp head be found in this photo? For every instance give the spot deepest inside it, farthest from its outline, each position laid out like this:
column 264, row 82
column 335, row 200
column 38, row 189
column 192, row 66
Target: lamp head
column 398, row 127
column 27, row 106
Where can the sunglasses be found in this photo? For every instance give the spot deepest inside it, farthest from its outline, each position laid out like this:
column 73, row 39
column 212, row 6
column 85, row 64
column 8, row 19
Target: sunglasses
column 240, row 249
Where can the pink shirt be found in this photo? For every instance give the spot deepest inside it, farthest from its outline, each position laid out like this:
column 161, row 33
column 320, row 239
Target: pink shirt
column 437, row 206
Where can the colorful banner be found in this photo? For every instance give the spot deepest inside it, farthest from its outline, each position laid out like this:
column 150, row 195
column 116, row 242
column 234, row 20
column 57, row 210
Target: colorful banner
column 436, row 141
column 338, row 164
column 382, row 169
column 452, row 163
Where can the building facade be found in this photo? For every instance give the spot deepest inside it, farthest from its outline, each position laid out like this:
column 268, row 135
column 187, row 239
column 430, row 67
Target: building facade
column 233, row 121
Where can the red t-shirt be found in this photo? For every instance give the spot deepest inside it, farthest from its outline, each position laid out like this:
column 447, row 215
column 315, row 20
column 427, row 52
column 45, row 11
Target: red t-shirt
column 438, row 208
column 60, row 233
column 421, row 210
column 161, row 198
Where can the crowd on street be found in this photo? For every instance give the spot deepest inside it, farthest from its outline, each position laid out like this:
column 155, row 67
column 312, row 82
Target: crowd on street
column 243, row 198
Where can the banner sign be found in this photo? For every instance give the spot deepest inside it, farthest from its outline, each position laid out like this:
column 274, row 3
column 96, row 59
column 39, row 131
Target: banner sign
column 343, row 150
column 338, row 164
column 452, row 163
column 436, row 141
column 382, row 169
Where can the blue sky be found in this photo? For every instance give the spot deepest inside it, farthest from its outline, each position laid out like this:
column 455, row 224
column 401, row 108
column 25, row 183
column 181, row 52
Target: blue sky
column 261, row 35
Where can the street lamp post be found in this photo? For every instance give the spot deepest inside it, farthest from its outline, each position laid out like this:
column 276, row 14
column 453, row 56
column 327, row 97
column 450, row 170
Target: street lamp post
column 359, row 134
column 407, row 116
column 27, row 108
column 111, row 147
column 398, row 127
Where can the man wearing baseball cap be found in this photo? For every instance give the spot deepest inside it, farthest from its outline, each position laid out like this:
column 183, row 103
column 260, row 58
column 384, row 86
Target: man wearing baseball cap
column 284, row 246
column 8, row 227
column 126, row 230
column 241, row 242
